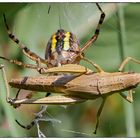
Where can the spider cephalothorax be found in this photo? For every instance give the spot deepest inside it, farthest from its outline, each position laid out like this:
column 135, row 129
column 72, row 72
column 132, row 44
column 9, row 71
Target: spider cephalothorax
column 61, row 47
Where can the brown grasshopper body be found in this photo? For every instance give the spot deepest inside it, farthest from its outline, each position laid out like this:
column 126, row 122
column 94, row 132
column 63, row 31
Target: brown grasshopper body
column 81, row 84
column 86, row 86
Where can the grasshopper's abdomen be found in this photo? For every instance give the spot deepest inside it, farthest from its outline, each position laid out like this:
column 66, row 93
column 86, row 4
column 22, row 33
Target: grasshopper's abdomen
column 98, row 84
column 117, row 82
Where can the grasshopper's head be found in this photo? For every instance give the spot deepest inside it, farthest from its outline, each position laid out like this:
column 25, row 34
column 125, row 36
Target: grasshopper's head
column 61, row 47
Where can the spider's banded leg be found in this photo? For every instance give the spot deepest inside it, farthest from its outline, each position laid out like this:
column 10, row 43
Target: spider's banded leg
column 125, row 61
column 25, row 50
column 95, row 36
column 19, row 63
column 61, row 100
column 39, row 115
column 40, row 69
column 28, row 126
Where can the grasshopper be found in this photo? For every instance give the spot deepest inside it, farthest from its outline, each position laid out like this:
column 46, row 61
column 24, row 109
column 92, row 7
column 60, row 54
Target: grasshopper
column 71, row 88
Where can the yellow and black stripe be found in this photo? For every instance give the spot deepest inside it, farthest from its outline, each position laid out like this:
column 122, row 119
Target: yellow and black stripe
column 60, row 41
column 100, row 21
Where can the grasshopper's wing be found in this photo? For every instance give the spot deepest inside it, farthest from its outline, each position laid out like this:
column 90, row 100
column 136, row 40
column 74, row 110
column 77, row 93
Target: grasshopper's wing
column 69, row 68
column 53, row 100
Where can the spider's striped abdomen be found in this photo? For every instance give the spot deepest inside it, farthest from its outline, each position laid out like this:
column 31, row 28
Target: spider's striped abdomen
column 61, row 47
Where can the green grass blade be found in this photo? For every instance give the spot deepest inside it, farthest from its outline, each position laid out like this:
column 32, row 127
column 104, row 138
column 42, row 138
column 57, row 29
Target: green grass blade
column 129, row 110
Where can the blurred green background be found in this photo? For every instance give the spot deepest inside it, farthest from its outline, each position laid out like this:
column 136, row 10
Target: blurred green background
column 32, row 24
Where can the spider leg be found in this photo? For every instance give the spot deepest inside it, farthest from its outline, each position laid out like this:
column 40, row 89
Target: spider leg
column 95, row 36
column 39, row 115
column 19, row 63
column 28, row 126
column 25, row 50
column 41, row 70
